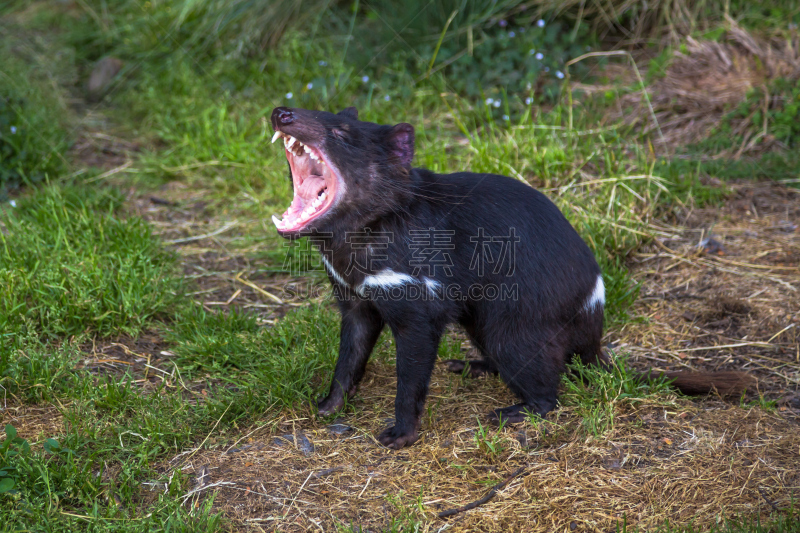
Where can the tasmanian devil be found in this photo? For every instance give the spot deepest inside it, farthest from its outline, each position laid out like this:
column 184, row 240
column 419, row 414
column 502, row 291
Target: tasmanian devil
column 415, row 251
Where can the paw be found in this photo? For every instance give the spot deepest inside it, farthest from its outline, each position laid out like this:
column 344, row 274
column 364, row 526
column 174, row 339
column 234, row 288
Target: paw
column 395, row 439
column 455, row 365
column 475, row 368
column 510, row 415
column 330, row 404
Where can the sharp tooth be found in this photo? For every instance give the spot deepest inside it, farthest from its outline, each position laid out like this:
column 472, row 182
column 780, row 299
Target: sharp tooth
column 307, row 149
column 323, row 195
column 292, row 140
column 276, row 136
column 276, row 221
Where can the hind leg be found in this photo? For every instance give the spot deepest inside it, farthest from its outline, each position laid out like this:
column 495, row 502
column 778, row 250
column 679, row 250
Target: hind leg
column 532, row 370
column 474, row 368
column 586, row 338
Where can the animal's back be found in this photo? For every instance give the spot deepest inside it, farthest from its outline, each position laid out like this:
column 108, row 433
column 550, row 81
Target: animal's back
column 507, row 234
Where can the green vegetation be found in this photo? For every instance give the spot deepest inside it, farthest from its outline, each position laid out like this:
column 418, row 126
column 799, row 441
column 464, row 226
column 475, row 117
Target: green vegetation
column 598, row 394
column 33, row 135
column 783, row 522
column 69, row 266
column 199, row 81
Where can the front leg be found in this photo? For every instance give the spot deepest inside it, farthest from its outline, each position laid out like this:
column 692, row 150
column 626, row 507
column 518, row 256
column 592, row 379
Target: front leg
column 361, row 327
column 417, row 347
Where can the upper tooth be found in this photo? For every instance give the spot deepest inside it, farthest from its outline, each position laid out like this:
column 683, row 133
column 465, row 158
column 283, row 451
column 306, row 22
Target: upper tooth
column 276, row 221
column 275, row 137
column 307, row 149
column 291, row 142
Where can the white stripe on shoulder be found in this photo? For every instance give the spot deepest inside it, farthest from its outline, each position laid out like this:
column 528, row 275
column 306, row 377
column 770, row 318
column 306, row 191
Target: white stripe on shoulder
column 385, row 279
column 598, row 296
column 332, row 271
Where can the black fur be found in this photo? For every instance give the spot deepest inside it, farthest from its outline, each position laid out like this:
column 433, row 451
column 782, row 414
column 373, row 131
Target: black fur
column 527, row 336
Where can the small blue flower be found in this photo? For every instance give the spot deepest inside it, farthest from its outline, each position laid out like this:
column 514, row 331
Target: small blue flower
column 540, row 23
column 310, row 86
column 559, row 75
column 12, row 203
column 532, row 51
column 289, row 96
column 506, row 118
column 323, row 63
column 547, row 69
column 512, row 34
column 387, row 97
column 497, row 103
column 503, row 23
column 528, row 100
column 13, row 129
column 364, row 79
column 489, row 101
column 539, row 56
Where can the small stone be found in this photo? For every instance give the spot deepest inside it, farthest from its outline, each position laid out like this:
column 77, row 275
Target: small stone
column 339, row 427
column 303, row 444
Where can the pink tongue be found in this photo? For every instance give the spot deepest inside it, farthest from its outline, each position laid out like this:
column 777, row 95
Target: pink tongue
column 311, row 188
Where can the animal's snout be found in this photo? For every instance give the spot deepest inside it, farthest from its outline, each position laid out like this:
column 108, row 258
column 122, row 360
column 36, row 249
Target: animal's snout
column 282, row 116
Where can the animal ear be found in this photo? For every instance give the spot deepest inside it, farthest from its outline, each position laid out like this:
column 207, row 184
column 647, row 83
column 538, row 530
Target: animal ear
column 350, row 112
column 401, row 143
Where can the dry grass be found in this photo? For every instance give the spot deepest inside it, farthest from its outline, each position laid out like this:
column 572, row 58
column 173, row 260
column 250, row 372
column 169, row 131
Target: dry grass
column 732, row 303
column 704, row 83
column 685, row 461
column 635, row 20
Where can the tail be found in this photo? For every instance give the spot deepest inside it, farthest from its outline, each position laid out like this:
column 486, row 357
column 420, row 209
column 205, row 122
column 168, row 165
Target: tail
column 693, row 383
column 727, row 384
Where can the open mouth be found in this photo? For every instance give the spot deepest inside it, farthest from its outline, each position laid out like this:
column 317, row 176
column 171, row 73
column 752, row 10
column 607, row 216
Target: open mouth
column 314, row 185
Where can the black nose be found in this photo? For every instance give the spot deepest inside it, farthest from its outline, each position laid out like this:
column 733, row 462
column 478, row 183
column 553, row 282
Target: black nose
column 282, row 116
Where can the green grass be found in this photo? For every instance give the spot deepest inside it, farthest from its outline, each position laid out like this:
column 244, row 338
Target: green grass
column 598, row 394
column 69, row 266
column 281, row 366
column 779, row 522
column 33, row 114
